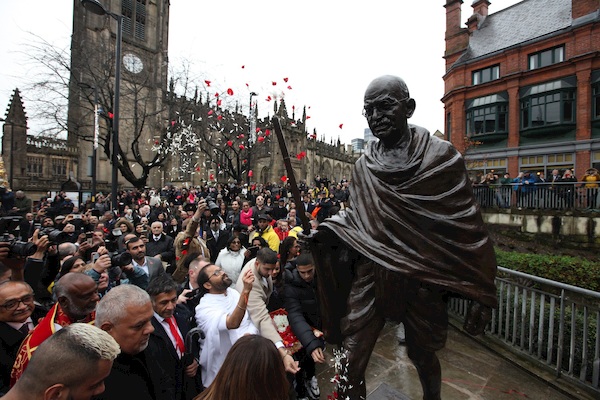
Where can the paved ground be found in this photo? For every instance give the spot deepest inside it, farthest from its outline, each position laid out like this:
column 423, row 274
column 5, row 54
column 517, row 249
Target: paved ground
column 469, row 371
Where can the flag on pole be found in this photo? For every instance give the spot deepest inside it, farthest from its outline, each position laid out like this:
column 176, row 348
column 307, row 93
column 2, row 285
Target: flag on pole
column 96, row 126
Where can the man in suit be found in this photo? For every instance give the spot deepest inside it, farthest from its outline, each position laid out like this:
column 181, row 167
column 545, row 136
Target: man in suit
column 18, row 315
column 262, row 267
column 159, row 245
column 167, row 342
column 216, row 238
column 307, row 204
column 125, row 312
column 137, row 248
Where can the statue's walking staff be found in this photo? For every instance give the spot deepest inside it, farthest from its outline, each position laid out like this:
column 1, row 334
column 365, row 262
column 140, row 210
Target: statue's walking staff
column 290, row 175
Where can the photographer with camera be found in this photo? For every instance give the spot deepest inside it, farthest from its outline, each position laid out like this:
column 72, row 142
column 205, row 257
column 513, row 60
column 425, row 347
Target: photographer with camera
column 189, row 242
column 119, row 269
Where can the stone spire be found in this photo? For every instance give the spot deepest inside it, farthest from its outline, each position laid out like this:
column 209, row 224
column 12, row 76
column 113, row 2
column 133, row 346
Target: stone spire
column 15, row 113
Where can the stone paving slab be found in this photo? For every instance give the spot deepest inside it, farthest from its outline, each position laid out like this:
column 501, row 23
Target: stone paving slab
column 469, row 372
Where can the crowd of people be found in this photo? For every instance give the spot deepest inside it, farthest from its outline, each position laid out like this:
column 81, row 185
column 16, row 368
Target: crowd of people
column 559, row 190
column 182, row 279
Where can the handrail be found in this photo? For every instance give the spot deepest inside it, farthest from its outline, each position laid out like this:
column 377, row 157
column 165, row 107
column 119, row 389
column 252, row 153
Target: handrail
column 556, row 284
column 553, row 324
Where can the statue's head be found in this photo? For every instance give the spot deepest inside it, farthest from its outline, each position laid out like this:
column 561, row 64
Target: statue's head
column 387, row 106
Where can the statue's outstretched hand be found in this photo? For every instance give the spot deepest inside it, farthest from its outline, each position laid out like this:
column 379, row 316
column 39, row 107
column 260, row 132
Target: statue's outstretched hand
column 478, row 316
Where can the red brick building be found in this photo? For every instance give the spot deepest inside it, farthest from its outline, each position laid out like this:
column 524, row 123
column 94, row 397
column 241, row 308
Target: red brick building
column 522, row 86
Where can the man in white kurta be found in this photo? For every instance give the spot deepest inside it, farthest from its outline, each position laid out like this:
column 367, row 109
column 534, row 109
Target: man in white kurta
column 222, row 315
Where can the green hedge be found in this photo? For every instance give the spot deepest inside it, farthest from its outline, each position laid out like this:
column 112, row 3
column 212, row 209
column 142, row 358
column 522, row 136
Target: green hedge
column 574, row 271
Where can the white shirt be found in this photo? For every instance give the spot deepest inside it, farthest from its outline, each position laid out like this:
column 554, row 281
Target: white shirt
column 211, row 317
column 18, row 325
column 143, row 266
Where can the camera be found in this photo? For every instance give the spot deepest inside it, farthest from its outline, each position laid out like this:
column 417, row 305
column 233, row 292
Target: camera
column 119, row 259
column 8, row 230
column 55, row 236
column 212, row 205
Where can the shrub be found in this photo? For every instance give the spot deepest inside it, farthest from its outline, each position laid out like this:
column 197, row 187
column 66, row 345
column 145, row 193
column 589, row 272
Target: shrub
column 574, row 271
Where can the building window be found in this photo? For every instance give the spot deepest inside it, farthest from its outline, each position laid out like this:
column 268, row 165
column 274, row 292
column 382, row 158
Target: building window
column 551, row 103
column 547, row 57
column 596, row 101
column 134, row 18
column 449, row 127
column 59, row 167
column 486, row 74
column 35, row 166
column 486, row 115
column 546, row 163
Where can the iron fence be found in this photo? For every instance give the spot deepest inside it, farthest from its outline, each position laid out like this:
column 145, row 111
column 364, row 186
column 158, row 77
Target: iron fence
column 545, row 196
column 555, row 324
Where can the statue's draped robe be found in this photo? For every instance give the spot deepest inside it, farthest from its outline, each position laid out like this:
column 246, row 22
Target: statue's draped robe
column 412, row 211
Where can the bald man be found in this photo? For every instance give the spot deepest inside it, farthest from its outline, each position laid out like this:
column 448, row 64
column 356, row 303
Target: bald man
column 77, row 296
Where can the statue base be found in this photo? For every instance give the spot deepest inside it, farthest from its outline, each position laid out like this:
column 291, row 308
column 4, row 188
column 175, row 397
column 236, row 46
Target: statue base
column 386, row 392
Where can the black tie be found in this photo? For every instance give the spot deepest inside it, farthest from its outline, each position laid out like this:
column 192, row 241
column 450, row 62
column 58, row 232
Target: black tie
column 24, row 329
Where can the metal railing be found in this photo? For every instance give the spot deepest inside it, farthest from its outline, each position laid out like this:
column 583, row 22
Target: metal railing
column 544, row 196
column 555, row 324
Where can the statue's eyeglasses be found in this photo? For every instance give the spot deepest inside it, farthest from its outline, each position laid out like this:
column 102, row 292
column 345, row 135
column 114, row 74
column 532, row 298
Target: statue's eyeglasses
column 384, row 107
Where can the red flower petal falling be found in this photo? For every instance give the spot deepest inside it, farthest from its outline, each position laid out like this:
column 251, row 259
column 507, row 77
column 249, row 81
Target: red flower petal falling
column 230, row 92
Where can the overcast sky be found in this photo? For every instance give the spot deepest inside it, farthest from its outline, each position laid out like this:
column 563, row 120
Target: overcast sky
column 329, row 51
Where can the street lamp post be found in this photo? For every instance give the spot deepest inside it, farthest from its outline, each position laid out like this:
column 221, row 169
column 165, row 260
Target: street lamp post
column 97, row 8
column 250, row 136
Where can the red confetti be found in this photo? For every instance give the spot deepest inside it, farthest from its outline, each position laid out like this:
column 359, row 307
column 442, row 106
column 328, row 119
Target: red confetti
column 197, row 169
column 308, row 117
column 172, row 123
column 257, row 130
column 110, row 115
column 274, row 83
column 229, row 143
column 207, row 83
column 285, row 80
column 156, row 142
column 210, row 112
column 243, row 66
column 341, row 125
column 268, row 98
column 301, row 155
column 250, row 173
column 230, row 92
column 261, row 139
column 289, row 88
column 220, row 117
column 242, row 147
column 247, row 85
column 211, row 177
column 267, row 132
column 284, row 178
column 219, row 102
column 293, row 107
column 241, row 136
